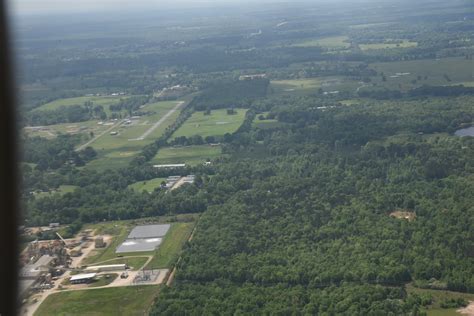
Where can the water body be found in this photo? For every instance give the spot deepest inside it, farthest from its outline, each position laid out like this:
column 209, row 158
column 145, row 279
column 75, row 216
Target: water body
column 465, row 132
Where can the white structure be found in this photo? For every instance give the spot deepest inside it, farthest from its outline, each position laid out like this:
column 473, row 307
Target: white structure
column 177, row 165
column 82, row 278
column 109, row 267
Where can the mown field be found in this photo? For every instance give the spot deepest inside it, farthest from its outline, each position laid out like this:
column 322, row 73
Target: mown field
column 191, row 155
column 171, row 247
column 52, row 131
column 333, row 42
column 105, row 101
column 445, row 71
column 217, row 123
column 148, row 185
column 132, row 300
column 62, row 189
column 403, row 44
column 311, row 85
column 116, row 151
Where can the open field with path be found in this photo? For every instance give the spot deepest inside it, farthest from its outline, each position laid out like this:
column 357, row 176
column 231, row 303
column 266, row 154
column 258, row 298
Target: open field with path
column 191, row 155
column 217, row 123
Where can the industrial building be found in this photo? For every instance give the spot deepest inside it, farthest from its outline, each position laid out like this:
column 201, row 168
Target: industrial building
column 82, row 278
column 144, row 238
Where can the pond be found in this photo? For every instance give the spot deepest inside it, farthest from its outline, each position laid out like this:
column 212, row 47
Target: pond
column 465, row 132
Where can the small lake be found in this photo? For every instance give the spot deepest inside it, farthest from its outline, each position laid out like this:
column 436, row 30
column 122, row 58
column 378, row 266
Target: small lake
column 465, row 132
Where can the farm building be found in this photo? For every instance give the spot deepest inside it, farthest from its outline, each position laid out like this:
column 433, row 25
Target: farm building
column 144, row 238
column 82, row 278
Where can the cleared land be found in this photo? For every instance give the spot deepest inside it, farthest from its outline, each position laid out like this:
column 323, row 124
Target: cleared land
column 445, row 71
column 52, row 131
column 403, row 44
column 105, row 101
column 133, row 300
column 191, row 155
column 439, row 296
column 62, row 189
column 148, row 185
column 118, row 150
column 217, row 123
column 162, row 257
column 171, row 247
column 311, row 85
column 333, row 42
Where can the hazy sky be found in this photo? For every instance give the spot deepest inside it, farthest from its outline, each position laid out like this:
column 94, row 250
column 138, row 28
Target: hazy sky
column 52, row 6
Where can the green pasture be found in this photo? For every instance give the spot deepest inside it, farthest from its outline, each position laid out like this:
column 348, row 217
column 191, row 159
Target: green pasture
column 148, row 185
column 131, row 300
column 191, row 155
column 217, row 123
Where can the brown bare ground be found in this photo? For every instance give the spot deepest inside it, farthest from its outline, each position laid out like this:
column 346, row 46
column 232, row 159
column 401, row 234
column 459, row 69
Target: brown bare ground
column 403, row 214
column 468, row 310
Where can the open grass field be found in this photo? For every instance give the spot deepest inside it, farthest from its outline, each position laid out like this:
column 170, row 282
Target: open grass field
column 62, row 189
column 311, row 85
column 52, row 131
column 437, row 71
column 191, row 155
column 116, row 151
column 105, row 101
column 403, row 44
column 148, row 185
column 333, row 42
column 132, row 300
column 171, row 247
column 216, row 124
column 438, row 296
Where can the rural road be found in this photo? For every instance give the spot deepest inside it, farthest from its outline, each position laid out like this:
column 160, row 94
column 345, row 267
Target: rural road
column 98, row 136
column 159, row 122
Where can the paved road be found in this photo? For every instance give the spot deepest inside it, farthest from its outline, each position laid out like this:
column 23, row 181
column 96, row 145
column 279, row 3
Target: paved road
column 98, row 136
column 160, row 121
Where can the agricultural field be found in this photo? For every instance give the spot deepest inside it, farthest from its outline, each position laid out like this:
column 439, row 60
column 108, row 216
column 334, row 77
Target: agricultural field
column 333, row 42
column 403, row 44
column 217, row 123
column 265, row 123
column 191, row 155
column 62, row 189
column 445, row 71
column 105, row 101
column 118, row 150
column 132, row 300
column 148, row 185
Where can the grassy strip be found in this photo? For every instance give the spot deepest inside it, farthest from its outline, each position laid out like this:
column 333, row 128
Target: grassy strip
column 132, row 300
column 171, row 247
